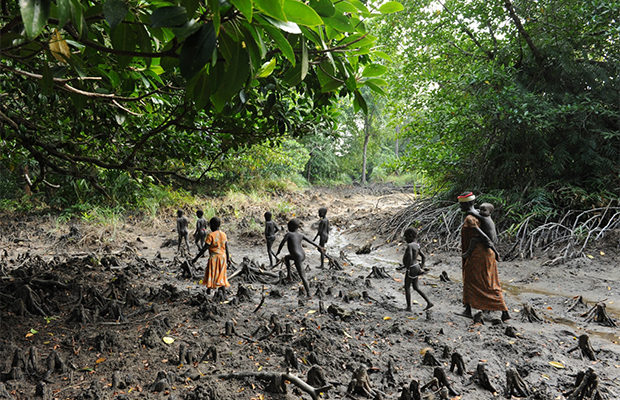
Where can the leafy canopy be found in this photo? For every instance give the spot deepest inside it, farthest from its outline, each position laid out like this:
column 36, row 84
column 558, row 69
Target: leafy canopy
column 508, row 94
column 162, row 89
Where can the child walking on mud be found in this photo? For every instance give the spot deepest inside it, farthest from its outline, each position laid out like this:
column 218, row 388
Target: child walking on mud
column 271, row 228
column 182, row 230
column 323, row 232
column 293, row 241
column 412, row 269
column 217, row 244
column 200, row 234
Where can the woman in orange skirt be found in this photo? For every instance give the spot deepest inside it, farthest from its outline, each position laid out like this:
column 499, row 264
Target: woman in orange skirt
column 217, row 244
column 481, row 287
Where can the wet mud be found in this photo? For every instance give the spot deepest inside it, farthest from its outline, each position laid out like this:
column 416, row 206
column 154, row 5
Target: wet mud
column 129, row 319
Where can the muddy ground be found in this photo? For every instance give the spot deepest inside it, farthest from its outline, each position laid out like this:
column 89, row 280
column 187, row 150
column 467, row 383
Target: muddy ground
column 107, row 313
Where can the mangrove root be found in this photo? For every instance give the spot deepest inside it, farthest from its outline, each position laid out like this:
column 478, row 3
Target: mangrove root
column 586, row 348
column 316, row 377
column 360, row 384
column 457, row 362
column 290, row 359
column 412, row 392
column 210, row 354
column 429, row 359
column 578, row 301
column 598, row 313
column 440, row 375
column 378, row 273
column 229, row 328
column 515, row 385
column 365, row 249
column 586, row 387
column 481, row 377
column 528, row 314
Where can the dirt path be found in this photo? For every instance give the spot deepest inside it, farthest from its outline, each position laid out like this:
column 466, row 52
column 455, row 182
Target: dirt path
column 351, row 322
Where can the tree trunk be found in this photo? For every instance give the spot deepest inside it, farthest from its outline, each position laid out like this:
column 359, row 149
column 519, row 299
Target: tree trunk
column 364, row 151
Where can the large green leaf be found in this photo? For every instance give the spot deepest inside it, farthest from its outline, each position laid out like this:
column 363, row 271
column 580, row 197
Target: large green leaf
column 374, row 87
column 273, row 8
column 201, row 87
column 144, row 43
column 214, row 6
column 266, row 69
column 339, row 23
column 359, row 102
column 64, row 12
column 169, row 17
column 293, row 75
column 282, row 43
column 289, row 27
column 300, row 13
column 245, row 7
column 391, row 7
column 326, row 74
column 304, row 58
column 123, row 38
column 190, row 6
column 374, row 70
column 183, row 32
column 236, row 75
column 197, row 50
column 325, row 8
column 78, row 19
column 114, row 12
column 34, row 15
column 345, row 7
column 361, row 7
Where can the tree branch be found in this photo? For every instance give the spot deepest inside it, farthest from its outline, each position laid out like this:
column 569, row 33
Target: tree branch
column 168, row 53
column 468, row 32
column 517, row 21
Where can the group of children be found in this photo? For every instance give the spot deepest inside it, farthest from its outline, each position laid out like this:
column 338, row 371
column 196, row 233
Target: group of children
column 216, row 243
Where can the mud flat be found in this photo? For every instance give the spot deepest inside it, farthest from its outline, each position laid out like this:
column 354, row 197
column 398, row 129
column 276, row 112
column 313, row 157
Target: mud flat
column 129, row 320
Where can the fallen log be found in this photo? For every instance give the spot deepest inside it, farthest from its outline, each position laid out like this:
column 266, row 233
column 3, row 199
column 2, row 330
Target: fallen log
column 278, row 381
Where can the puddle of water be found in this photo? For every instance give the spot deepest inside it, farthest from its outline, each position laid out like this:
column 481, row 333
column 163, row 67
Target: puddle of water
column 517, row 291
column 609, row 336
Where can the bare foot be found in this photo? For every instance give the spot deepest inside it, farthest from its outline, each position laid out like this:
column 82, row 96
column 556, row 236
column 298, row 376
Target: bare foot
column 429, row 306
column 465, row 314
column 505, row 316
column 408, row 309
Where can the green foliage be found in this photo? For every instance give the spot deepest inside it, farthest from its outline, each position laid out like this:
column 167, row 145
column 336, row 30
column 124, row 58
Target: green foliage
column 163, row 90
column 267, row 166
column 508, row 95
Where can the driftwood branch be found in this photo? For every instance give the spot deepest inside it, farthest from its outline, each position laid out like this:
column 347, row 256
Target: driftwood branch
column 281, row 377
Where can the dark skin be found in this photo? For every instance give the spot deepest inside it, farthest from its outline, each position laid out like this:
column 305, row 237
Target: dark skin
column 271, row 228
column 293, row 240
column 322, row 232
column 468, row 208
column 413, row 270
column 487, row 226
column 200, row 234
column 182, row 229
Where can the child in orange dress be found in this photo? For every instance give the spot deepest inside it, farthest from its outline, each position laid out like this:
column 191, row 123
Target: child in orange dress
column 217, row 244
